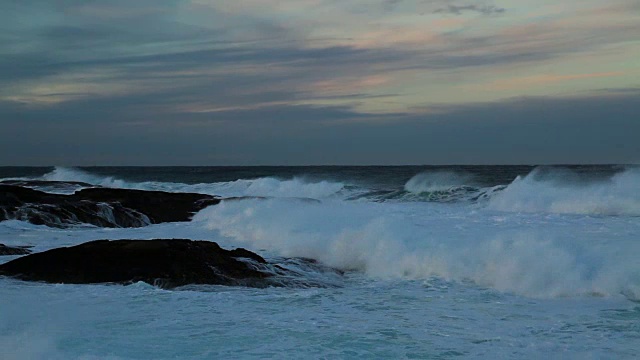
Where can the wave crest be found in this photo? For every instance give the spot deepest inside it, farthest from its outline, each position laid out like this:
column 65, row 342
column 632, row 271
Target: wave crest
column 266, row 186
column 562, row 193
column 272, row 187
column 77, row 175
column 428, row 182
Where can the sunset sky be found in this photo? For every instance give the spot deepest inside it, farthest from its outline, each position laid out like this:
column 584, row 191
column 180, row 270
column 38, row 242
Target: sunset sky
column 251, row 82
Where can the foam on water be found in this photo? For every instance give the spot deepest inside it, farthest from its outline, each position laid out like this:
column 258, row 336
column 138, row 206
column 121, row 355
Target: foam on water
column 560, row 192
column 267, row 186
column 548, row 191
column 72, row 174
column 384, row 241
column 295, row 187
column 365, row 320
column 456, row 242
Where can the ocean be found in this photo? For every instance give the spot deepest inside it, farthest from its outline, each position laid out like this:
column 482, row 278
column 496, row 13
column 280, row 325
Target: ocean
column 440, row 262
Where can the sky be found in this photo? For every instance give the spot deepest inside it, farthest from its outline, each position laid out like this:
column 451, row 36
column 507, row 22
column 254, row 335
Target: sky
column 319, row 82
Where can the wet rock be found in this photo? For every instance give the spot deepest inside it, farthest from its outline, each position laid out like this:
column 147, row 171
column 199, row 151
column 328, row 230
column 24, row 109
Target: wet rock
column 104, row 207
column 167, row 263
column 8, row 250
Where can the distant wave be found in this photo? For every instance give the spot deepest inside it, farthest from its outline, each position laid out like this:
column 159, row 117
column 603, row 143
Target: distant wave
column 436, row 186
column 266, row 186
column 72, row 174
column 558, row 191
column 442, row 186
column 439, row 181
column 544, row 190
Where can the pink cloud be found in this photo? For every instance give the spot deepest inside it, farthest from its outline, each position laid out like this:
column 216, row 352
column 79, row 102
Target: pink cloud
column 395, row 37
column 545, row 79
column 349, row 85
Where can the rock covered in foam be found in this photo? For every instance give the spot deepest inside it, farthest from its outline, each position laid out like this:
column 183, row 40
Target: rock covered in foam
column 104, row 207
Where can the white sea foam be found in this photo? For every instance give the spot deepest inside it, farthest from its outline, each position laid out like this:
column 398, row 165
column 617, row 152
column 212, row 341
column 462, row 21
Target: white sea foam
column 266, row 186
column 383, row 243
column 72, row 174
column 561, row 192
column 273, row 187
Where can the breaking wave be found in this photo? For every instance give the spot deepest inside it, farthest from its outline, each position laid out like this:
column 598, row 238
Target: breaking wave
column 544, row 190
column 443, row 186
column 563, row 192
column 440, row 181
column 438, row 186
column 266, row 186
column 76, row 175
column 363, row 237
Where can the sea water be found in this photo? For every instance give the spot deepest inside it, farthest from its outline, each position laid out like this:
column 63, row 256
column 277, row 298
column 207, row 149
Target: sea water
column 440, row 262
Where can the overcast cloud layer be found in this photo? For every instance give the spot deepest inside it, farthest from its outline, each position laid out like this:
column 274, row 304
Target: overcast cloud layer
column 202, row 82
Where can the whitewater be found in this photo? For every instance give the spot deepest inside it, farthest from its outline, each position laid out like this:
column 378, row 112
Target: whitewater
column 440, row 262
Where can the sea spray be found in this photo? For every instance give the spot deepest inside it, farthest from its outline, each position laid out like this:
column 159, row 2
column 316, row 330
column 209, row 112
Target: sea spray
column 74, row 174
column 362, row 237
column 562, row 192
column 266, row 186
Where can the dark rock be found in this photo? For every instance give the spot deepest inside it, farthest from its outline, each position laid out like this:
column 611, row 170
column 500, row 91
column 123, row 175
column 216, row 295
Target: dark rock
column 244, row 253
column 104, row 207
column 159, row 206
column 7, row 250
column 164, row 263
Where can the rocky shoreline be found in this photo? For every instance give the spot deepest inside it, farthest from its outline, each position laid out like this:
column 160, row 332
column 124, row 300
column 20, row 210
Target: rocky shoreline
column 103, row 207
column 166, row 263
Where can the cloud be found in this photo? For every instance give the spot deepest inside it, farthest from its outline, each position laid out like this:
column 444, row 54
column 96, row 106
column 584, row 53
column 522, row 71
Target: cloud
column 545, row 79
column 598, row 127
column 460, row 9
column 349, row 85
column 390, row 5
column 238, row 67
